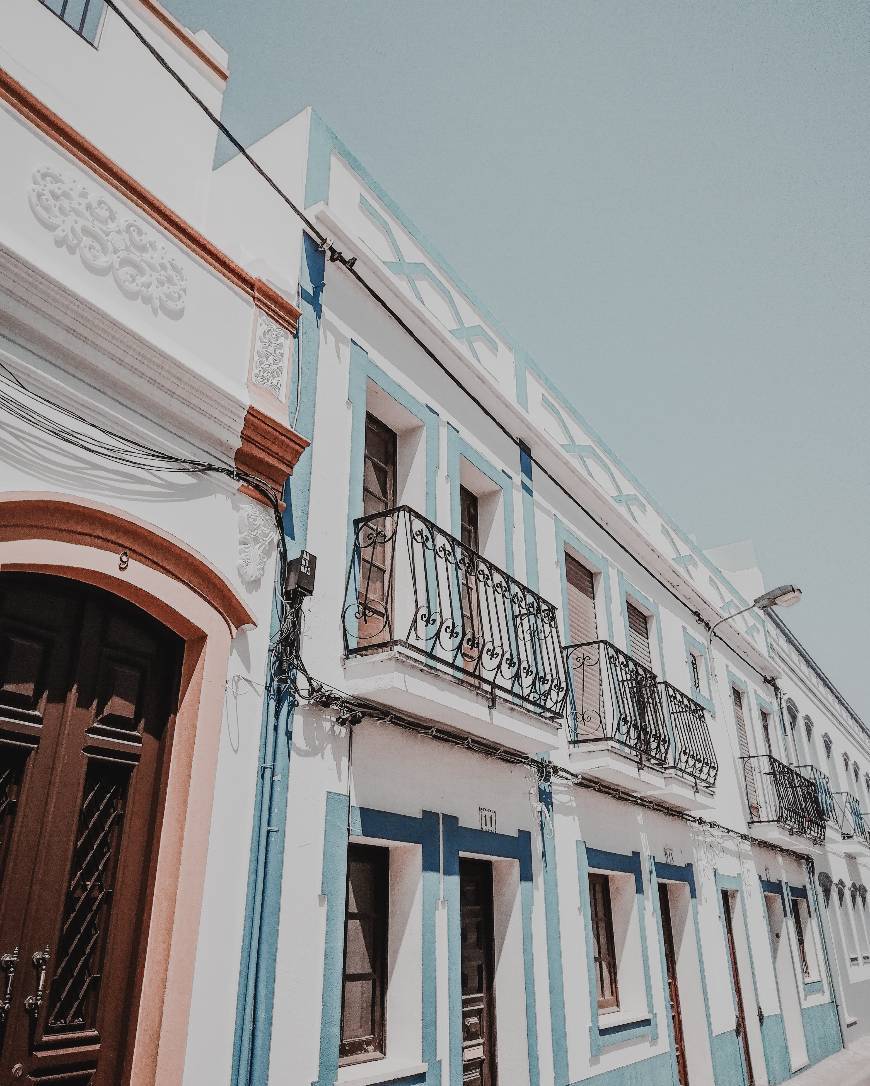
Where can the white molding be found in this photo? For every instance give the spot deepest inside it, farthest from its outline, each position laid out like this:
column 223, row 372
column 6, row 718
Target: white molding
column 518, row 422
column 55, row 323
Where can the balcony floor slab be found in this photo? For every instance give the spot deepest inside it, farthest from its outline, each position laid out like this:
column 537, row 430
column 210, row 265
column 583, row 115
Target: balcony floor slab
column 400, row 680
column 611, row 762
column 681, row 792
column 775, row 834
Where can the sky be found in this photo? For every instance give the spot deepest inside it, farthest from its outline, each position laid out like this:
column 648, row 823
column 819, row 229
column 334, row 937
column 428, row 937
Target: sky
column 667, row 203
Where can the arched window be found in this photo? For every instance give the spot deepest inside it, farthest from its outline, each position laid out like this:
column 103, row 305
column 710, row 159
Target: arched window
column 808, row 728
column 829, row 743
column 855, row 771
column 791, row 710
column 846, row 761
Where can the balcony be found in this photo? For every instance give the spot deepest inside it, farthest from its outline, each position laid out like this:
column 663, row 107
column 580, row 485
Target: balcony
column 630, row 729
column 421, row 608
column 851, row 822
column 82, row 16
column 783, row 802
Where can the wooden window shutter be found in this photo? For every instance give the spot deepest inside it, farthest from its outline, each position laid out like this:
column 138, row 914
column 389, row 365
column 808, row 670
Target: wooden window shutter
column 638, row 635
column 743, row 746
column 583, row 629
column 582, row 621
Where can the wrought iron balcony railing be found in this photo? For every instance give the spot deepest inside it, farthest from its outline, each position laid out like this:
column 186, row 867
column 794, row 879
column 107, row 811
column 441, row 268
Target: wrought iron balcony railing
column 613, row 697
column 693, row 753
column 82, row 16
column 849, row 818
column 823, row 791
column 413, row 585
column 778, row 793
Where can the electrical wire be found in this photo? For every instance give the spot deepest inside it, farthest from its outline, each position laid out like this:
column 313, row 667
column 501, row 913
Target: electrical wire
column 286, row 664
column 336, row 256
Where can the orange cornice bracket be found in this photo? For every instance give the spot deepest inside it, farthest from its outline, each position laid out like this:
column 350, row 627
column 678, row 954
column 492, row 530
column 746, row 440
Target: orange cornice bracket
column 269, row 449
column 181, row 32
column 74, row 143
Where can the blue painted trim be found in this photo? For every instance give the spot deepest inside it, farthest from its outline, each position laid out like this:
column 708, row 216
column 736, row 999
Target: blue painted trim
column 460, row 839
column 458, row 448
column 822, row 1031
column 376, row 825
column 813, row 987
column 693, row 645
column 530, row 528
column 600, row 1037
column 664, row 872
column 322, row 142
column 652, row 1071
column 594, row 561
column 734, row 882
column 252, row 1037
column 555, row 974
column 775, row 887
column 627, row 591
column 363, row 370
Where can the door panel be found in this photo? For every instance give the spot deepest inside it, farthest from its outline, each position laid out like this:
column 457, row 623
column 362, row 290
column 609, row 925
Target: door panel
column 87, row 684
column 673, row 986
column 478, row 974
column 740, row 1024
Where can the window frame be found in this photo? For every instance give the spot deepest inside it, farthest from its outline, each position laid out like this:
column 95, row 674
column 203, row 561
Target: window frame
column 603, row 924
column 379, row 857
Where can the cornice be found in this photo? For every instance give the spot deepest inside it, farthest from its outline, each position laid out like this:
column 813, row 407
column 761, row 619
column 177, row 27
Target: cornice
column 55, row 323
column 35, row 112
column 268, row 449
column 554, row 458
column 185, row 37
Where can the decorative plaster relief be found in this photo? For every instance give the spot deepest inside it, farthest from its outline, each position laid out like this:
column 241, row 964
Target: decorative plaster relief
column 271, row 355
column 256, row 537
column 86, row 222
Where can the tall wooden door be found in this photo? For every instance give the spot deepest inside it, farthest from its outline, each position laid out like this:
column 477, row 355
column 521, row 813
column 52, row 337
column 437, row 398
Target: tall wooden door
column 478, row 974
column 740, row 1024
column 87, row 688
column 673, row 985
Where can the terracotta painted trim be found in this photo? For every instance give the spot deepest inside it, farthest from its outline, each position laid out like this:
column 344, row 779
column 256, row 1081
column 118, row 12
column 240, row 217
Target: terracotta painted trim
column 162, row 1016
column 181, row 32
column 48, row 122
column 268, row 449
column 37, row 516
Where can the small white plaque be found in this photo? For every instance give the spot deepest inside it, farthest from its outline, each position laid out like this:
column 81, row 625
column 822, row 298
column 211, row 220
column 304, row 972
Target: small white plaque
column 487, row 819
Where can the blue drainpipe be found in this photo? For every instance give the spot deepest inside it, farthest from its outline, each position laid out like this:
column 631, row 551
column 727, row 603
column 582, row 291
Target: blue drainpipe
column 256, row 995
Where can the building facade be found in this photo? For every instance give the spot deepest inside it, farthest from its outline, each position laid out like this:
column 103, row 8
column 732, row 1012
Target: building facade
column 508, row 808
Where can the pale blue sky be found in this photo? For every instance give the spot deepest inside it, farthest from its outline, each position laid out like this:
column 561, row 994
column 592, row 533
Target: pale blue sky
column 667, row 202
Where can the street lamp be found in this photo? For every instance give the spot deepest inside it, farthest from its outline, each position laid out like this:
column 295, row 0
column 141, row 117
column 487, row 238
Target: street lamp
column 786, row 595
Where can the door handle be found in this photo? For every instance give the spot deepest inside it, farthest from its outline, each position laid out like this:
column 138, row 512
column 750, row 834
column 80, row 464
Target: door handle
column 8, row 962
column 40, row 962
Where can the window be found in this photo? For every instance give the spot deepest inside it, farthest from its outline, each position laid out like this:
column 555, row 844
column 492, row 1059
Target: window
column 743, row 747
column 602, row 939
column 808, row 728
column 801, row 941
column 765, row 731
column 469, row 519
column 582, row 630
column 846, row 762
column 828, row 743
column 695, row 671
column 364, row 979
column 638, row 635
column 806, row 945
column 379, row 496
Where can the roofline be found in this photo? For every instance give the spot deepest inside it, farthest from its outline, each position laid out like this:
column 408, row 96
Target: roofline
column 816, row 669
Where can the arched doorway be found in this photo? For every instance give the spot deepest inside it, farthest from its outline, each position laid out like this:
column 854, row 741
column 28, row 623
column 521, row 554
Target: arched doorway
column 88, row 692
